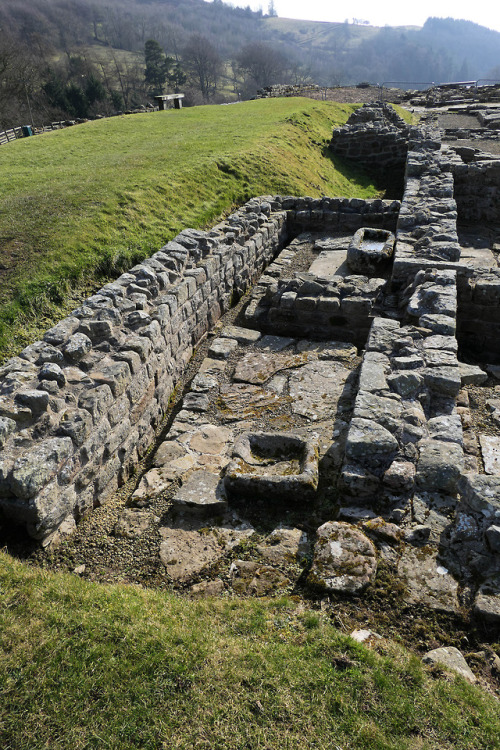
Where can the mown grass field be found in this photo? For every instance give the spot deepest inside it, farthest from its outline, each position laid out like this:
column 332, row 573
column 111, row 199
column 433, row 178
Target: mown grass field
column 80, row 204
column 89, row 666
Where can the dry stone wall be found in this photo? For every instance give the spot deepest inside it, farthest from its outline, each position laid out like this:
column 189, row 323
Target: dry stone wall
column 79, row 408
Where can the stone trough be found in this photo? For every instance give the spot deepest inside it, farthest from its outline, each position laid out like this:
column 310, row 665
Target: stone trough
column 274, row 466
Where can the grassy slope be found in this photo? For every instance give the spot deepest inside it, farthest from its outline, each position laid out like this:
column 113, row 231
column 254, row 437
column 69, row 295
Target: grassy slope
column 88, row 666
column 79, row 203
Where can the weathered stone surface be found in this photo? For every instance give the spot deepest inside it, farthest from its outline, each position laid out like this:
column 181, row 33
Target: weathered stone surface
column 37, row 401
column 427, row 582
column 254, row 579
column 451, row 658
column 34, row 468
column 487, row 602
column 207, row 588
column 77, row 347
column 186, row 551
column 446, row 428
column 196, row 402
column 492, row 535
column 243, row 400
column 384, row 411
column 481, row 493
column 284, row 545
column 370, row 443
column 243, row 336
column 132, row 523
column 275, row 343
column 471, row 374
column 258, row 367
column 203, row 493
column 315, row 389
column 444, row 380
column 344, row 558
column 440, row 465
column 328, row 349
column 157, row 480
column 490, row 451
column 222, row 348
column 400, row 475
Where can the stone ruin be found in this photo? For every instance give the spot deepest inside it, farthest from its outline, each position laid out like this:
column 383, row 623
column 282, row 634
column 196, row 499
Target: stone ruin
column 346, row 403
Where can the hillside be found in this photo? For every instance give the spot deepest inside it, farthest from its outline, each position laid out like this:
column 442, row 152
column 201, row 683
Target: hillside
column 63, row 59
column 121, row 187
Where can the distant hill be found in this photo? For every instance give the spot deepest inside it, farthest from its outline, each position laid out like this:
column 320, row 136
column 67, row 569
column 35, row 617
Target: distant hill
column 76, row 58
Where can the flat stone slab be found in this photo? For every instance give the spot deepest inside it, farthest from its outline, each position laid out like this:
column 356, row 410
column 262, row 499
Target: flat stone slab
column 203, row 494
column 243, row 336
column 344, row 558
column 328, row 349
column 451, row 658
column 487, row 602
column 471, row 374
column 274, row 343
column 258, row 367
column 242, row 400
column 185, row 552
column 330, row 263
column 284, row 545
column 254, row 579
column 315, row 389
column 222, row 348
column 490, row 451
column 427, row 582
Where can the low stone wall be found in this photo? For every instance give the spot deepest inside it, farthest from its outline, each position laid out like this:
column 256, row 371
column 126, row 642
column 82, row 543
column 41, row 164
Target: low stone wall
column 476, row 179
column 374, row 135
column 405, row 435
column 478, row 322
column 80, row 408
column 341, row 308
column 426, row 234
column 307, row 305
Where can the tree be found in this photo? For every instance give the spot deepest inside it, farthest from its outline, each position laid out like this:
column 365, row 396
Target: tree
column 263, row 63
column 271, row 11
column 202, row 64
column 157, row 67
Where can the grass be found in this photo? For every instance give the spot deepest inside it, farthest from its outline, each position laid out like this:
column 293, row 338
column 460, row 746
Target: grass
column 90, row 666
column 83, row 203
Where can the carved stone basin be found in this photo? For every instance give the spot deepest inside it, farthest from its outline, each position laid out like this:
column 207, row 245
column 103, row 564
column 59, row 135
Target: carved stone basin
column 274, row 466
column 370, row 250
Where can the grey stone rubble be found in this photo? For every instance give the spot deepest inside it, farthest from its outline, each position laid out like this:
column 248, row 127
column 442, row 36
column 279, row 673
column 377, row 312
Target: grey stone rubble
column 355, row 461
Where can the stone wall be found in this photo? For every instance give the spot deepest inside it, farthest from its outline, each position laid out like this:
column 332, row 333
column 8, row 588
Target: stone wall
column 405, row 434
column 341, row 307
column 79, row 408
column 374, row 135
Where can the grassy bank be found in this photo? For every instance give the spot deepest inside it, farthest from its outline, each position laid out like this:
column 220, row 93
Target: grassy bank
column 88, row 666
column 86, row 202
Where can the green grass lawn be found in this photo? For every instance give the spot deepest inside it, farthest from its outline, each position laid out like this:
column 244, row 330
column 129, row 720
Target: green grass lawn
column 89, row 666
column 89, row 201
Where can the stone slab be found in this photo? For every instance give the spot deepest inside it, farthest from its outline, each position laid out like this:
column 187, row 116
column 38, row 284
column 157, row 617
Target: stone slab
column 490, row 451
column 427, row 581
column 330, row 263
column 344, row 559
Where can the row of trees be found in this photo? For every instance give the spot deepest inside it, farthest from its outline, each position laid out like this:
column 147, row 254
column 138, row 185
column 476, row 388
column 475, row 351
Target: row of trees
column 35, row 88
